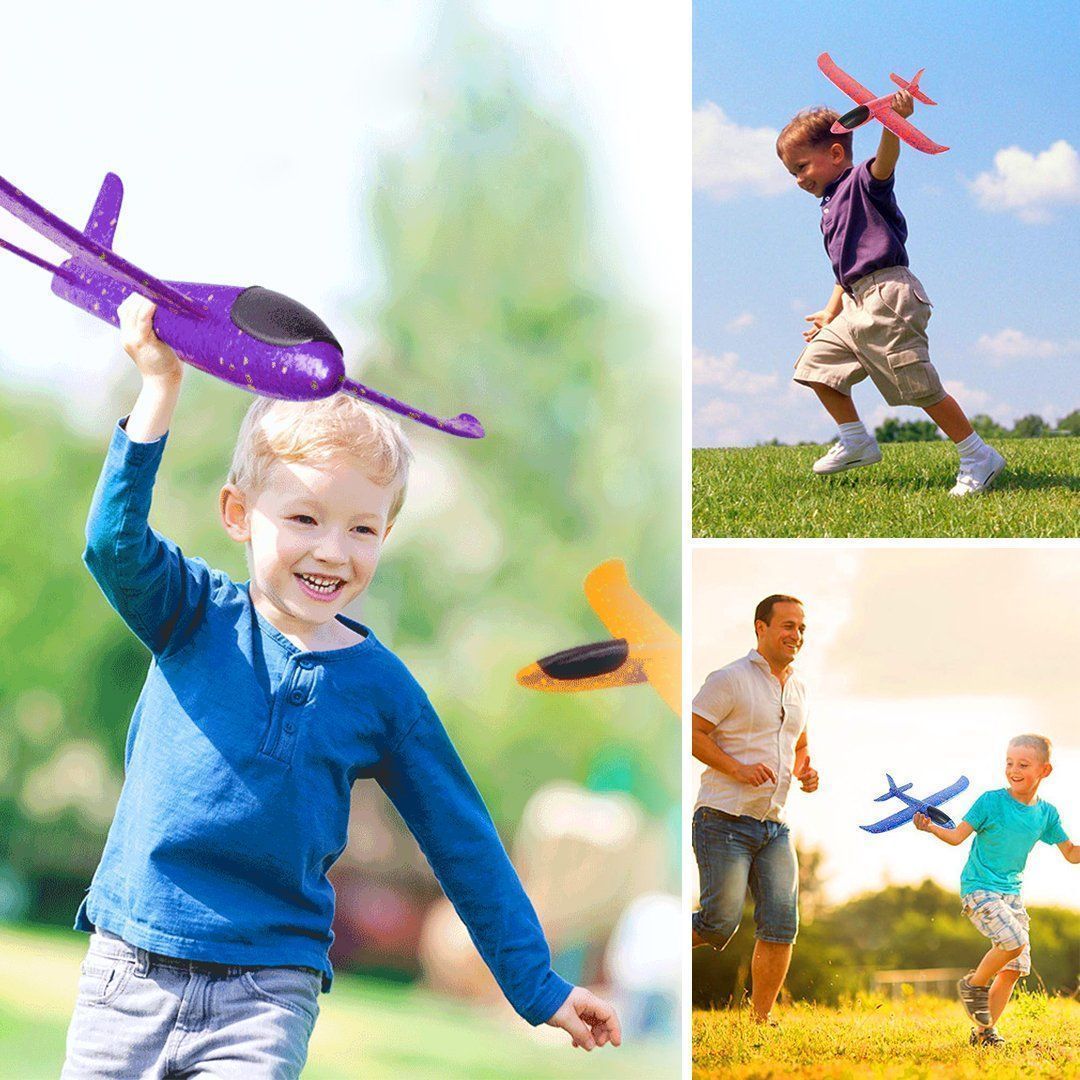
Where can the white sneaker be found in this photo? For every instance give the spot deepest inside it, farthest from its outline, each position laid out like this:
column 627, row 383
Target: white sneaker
column 841, row 456
column 977, row 476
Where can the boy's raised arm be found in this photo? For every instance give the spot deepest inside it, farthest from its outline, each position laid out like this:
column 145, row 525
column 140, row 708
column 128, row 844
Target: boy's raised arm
column 154, row 589
column 903, row 104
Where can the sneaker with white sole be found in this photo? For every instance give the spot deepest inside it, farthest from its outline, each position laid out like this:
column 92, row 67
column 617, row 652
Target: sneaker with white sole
column 842, row 455
column 975, row 999
column 977, row 476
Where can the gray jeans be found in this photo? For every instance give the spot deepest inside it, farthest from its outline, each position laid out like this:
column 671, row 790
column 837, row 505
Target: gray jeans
column 138, row 1016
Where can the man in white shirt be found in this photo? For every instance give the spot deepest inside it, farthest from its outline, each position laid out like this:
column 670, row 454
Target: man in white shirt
column 750, row 732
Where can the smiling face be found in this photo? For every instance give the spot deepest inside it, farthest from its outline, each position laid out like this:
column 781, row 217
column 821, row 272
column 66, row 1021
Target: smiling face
column 314, row 536
column 815, row 167
column 1025, row 769
column 780, row 639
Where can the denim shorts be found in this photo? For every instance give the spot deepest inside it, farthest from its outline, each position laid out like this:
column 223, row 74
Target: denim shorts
column 736, row 853
column 140, row 1015
column 1002, row 918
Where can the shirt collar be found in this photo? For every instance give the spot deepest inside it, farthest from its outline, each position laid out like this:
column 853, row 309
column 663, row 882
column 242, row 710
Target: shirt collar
column 756, row 658
column 830, row 189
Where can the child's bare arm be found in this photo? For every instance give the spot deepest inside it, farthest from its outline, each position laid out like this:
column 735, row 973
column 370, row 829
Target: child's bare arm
column 889, row 148
column 826, row 314
column 950, row 836
column 589, row 1020
column 1070, row 850
column 159, row 366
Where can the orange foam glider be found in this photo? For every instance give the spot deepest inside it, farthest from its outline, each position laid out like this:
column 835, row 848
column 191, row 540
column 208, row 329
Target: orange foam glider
column 644, row 648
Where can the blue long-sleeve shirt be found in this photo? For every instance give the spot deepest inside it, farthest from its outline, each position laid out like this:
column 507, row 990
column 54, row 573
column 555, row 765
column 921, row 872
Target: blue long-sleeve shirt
column 239, row 762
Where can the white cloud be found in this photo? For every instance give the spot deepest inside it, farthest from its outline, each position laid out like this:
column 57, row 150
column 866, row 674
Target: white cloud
column 723, row 371
column 740, row 322
column 730, row 160
column 1012, row 344
column 1029, row 184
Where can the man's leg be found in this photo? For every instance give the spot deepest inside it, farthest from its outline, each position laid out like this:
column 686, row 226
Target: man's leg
column 723, row 849
column 768, row 969
column 774, row 881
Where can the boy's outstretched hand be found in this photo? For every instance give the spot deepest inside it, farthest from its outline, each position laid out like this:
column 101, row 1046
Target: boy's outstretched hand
column 590, row 1021
column 922, row 822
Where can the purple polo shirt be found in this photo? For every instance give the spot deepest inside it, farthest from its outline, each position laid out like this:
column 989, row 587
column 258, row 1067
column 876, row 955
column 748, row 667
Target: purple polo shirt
column 863, row 227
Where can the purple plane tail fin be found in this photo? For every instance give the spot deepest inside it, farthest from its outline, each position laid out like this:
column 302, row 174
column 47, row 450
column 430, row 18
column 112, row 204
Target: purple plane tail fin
column 102, row 224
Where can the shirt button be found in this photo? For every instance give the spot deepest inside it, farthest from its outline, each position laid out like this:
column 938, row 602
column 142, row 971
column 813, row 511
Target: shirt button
column 290, row 728
column 296, row 697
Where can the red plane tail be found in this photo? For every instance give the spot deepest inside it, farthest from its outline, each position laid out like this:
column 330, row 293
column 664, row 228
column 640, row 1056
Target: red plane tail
column 913, row 86
column 102, row 224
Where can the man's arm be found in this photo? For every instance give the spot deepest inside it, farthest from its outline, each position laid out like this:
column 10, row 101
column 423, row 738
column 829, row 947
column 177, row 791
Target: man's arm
column 802, row 771
column 950, row 836
column 1070, row 850
column 708, row 753
column 903, row 104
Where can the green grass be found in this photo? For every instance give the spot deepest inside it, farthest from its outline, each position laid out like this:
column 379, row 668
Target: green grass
column 769, row 491
column 919, row 1038
column 365, row 1029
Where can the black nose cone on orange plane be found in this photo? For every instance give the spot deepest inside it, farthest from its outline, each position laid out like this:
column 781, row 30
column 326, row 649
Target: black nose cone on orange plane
column 586, row 661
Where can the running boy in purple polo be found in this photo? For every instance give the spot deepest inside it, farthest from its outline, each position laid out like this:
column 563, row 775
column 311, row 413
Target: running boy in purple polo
column 875, row 321
column 1007, row 824
column 211, row 909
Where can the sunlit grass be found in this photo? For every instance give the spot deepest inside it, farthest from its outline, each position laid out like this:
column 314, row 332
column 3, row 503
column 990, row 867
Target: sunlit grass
column 769, row 491
column 919, row 1038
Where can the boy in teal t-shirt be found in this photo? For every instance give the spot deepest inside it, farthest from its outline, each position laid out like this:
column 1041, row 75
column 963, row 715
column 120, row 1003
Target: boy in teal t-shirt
column 1007, row 823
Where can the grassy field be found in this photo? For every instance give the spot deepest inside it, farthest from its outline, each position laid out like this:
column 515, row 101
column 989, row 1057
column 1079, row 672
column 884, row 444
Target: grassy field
column 366, row 1029
column 769, row 491
column 917, row 1039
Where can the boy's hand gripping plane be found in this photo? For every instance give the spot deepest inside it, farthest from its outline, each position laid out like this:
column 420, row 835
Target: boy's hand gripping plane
column 253, row 338
column 645, row 649
column 927, row 806
column 880, row 109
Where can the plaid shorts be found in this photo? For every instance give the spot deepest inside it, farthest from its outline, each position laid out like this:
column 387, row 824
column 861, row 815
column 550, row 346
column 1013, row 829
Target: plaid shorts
column 1002, row 918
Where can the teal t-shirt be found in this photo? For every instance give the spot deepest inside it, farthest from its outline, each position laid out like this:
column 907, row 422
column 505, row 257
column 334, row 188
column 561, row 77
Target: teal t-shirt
column 1005, row 833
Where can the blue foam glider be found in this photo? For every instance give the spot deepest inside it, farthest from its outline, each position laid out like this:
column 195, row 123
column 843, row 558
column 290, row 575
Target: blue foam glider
column 927, row 806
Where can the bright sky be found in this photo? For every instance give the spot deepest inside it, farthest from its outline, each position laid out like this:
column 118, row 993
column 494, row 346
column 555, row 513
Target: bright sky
column 994, row 223
column 921, row 662
column 245, row 138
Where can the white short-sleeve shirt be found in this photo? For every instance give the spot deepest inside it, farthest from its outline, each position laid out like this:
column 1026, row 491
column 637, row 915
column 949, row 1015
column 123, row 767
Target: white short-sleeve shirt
column 757, row 720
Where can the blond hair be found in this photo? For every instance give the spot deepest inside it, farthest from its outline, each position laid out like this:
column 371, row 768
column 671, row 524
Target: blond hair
column 316, row 432
column 813, row 128
column 1039, row 743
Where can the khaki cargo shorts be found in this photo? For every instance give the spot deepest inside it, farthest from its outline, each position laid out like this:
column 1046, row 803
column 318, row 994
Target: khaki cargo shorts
column 880, row 332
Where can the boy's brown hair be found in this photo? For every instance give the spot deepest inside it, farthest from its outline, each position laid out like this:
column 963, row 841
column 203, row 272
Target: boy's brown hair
column 812, row 127
column 1039, row 743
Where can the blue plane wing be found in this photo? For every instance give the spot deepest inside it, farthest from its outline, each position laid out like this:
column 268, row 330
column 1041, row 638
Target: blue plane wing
column 893, row 821
column 945, row 794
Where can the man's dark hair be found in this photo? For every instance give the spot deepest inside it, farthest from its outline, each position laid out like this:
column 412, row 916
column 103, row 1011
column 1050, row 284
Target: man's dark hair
column 763, row 612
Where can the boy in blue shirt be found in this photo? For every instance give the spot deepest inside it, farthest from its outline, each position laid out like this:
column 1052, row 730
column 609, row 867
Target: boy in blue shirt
column 211, row 910
column 875, row 321
column 1007, row 823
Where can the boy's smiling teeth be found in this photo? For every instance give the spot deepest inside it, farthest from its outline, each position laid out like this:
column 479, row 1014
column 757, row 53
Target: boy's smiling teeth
column 321, row 584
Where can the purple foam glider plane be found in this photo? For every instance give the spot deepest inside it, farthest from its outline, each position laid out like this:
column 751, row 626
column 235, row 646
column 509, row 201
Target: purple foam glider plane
column 928, row 806
column 880, row 109
column 253, row 338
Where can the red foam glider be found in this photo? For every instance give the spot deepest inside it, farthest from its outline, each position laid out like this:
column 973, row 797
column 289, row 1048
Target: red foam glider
column 880, row 109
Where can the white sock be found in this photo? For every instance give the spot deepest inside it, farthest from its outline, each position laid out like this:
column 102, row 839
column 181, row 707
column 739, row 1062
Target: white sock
column 854, row 433
column 971, row 447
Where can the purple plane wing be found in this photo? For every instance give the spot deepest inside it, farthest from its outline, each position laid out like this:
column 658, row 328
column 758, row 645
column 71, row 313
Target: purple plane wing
column 91, row 253
column 854, row 90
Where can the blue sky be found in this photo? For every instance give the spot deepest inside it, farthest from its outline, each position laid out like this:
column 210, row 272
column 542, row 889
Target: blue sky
column 993, row 238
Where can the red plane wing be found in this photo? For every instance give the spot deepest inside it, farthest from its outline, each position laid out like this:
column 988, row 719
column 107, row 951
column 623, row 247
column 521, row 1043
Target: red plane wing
column 856, row 91
column 908, row 132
